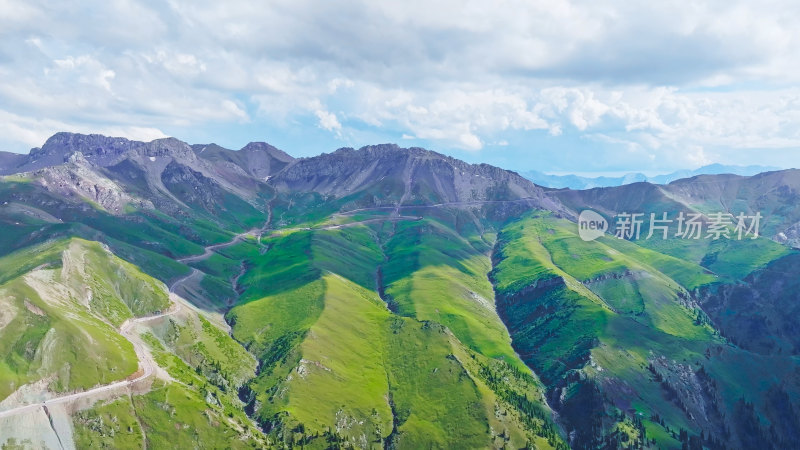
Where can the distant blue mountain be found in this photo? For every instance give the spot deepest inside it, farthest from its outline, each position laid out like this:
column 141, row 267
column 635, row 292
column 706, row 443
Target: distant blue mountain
column 578, row 182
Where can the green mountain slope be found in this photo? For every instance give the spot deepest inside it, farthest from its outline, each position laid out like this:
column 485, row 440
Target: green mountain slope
column 382, row 298
column 61, row 304
column 625, row 350
column 340, row 364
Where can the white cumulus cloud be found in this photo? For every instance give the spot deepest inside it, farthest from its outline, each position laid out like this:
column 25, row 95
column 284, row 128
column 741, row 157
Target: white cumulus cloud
column 657, row 83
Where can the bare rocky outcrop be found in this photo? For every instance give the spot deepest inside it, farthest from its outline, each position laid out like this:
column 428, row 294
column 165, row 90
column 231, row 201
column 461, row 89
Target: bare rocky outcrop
column 257, row 159
column 389, row 175
column 77, row 178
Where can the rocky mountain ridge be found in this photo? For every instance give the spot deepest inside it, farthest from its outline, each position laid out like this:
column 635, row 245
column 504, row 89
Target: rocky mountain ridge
column 467, row 297
column 376, row 175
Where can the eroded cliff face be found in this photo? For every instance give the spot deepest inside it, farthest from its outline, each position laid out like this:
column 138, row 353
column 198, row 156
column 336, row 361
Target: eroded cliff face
column 759, row 313
column 76, row 178
column 685, row 344
column 413, row 176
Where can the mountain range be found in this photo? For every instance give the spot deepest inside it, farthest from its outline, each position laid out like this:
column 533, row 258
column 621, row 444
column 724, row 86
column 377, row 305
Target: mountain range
column 580, row 182
column 160, row 294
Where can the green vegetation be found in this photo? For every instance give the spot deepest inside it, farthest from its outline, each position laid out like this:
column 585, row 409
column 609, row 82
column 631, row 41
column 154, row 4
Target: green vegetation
column 113, row 425
column 58, row 320
column 332, row 353
column 206, row 349
column 446, row 326
column 614, row 328
column 171, row 415
column 432, row 273
column 218, row 266
column 728, row 258
column 199, row 408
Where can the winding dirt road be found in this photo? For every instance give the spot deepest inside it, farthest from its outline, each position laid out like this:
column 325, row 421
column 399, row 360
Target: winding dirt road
column 209, row 250
column 147, row 365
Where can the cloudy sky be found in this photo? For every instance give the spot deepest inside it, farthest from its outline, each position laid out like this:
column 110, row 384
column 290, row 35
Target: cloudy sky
column 555, row 85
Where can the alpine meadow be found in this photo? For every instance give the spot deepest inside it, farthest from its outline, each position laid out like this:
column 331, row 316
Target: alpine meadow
column 399, row 225
column 159, row 294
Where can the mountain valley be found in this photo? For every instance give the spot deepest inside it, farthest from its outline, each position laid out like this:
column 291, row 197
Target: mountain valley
column 160, row 294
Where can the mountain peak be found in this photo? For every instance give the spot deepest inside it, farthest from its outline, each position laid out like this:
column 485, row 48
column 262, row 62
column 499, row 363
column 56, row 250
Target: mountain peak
column 166, row 147
column 65, row 142
column 406, row 176
column 257, row 159
column 257, row 145
column 391, row 148
column 272, row 151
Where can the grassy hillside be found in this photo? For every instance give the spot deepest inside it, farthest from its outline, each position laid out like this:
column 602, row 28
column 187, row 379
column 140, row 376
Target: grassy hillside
column 624, row 349
column 463, row 318
column 149, row 238
column 188, row 412
column 433, row 273
column 339, row 364
column 61, row 301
